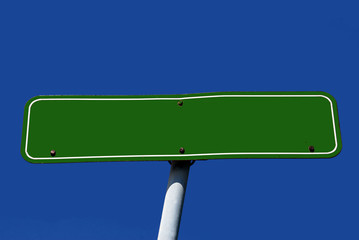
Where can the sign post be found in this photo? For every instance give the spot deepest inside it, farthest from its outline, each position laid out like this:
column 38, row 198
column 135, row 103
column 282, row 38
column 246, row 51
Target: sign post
column 180, row 128
column 173, row 204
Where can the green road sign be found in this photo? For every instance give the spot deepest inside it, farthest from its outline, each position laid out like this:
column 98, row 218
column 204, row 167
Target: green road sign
column 180, row 127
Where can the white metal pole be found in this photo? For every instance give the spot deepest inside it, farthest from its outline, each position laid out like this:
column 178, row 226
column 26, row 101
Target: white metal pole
column 172, row 207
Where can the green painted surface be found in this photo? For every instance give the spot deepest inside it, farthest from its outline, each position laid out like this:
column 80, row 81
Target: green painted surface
column 207, row 126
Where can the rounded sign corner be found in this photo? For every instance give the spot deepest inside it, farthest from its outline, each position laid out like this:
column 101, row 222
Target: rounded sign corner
column 328, row 96
column 32, row 100
column 26, row 156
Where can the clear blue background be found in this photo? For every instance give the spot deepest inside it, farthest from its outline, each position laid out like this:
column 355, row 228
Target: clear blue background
column 133, row 47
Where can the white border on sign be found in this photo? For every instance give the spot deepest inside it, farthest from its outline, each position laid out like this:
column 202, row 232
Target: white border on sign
column 179, row 155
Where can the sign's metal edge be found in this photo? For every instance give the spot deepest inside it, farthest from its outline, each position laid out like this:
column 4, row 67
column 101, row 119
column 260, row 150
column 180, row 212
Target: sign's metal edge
column 204, row 155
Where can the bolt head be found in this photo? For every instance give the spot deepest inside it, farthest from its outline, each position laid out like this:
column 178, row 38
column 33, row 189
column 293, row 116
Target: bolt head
column 180, row 103
column 53, row 153
column 181, row 150
column 311, row 148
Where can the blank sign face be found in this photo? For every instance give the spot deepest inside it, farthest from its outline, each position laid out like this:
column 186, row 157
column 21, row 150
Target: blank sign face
column 181, row 127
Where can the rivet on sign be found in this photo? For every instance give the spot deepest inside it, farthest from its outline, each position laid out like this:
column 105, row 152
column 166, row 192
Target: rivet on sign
column 181, row 150
column 180, row 103
column 311, row 149
column 53, row 153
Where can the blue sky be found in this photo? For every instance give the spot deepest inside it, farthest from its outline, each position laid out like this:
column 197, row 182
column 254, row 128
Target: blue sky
column 136, row 48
